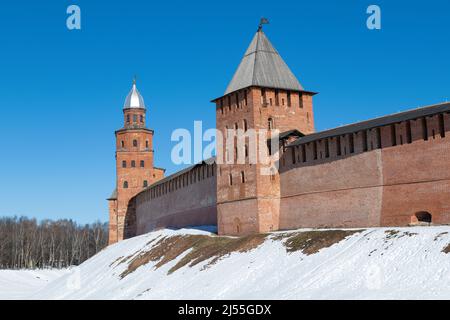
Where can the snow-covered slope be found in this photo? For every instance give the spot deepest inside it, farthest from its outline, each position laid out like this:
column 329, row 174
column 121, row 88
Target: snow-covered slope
column 17, row 284
column 379, row 263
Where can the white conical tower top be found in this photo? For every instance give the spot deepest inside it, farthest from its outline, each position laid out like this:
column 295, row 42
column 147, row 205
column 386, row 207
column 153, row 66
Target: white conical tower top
column 134, row 98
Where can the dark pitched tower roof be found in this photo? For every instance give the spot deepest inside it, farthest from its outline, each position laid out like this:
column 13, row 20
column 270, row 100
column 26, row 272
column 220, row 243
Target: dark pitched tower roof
column 262, row 66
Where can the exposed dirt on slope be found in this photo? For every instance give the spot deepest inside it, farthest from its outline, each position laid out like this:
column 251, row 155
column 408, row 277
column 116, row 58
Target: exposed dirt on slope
column 200, row 247
column 310, row 242
column 446, row 249
column 440, row 235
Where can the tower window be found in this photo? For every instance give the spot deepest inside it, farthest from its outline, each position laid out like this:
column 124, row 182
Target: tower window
column 441, row 126
column 236, row 126
column 230, row 179
column 142, row 164
column 289, row 98
column 300, row 100
column 134, row 118
column 277, row 98
column 128, row 118
column 134, row 143
column 146, row 144
column 338, row 146
column 242, row 177
column 124, row 164
column 351, row 142
column 245, row 125
column 133, row 163
column 408, row 132
column 122, row 143
column 125, row 184
column 270, row 123
column 145, row 183
column 142, row 118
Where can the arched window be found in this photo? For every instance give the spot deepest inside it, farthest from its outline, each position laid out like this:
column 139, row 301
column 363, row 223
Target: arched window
column 236, row 126
column 146, row 144
column 124, row 164
column 245, row 125
column 128, row 118
column 142, row 164
column 142, row 118
column 134, row 118
column 125, row 184
column 122, row 143
column 423, row 217
column 145, row 183
column 133, row 163
column 242, row 177
column 134, row 143
column 270, row 123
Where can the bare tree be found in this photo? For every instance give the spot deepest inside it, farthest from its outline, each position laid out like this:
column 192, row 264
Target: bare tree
column 27, row 243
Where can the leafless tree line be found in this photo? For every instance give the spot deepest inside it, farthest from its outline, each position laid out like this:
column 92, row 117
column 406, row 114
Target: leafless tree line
column 27, row 243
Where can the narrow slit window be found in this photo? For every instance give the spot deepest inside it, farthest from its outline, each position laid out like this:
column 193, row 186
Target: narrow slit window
column 441, row 126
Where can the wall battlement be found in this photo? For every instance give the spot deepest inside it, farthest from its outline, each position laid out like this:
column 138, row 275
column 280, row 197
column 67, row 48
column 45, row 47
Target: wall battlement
column 388, row 171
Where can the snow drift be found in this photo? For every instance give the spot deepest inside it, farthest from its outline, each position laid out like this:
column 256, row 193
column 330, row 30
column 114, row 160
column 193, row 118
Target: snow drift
column 374, row 263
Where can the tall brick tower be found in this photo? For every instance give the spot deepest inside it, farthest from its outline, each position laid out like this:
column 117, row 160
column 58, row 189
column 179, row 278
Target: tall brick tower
column 134, row 166
column 263, row 94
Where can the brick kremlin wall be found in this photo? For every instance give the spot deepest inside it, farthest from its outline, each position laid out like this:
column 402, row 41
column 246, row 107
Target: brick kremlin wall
column 187, row 198
column 380, row 177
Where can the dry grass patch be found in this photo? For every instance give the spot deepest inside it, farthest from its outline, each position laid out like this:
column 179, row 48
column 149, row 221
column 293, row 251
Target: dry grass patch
column 440, row 235
column 201, row 248
column 391, row 234
column 112, row 263
column 310, row 242
column 446, row 249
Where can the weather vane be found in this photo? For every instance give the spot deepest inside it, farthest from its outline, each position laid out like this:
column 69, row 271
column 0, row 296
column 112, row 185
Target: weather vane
column 262, row 22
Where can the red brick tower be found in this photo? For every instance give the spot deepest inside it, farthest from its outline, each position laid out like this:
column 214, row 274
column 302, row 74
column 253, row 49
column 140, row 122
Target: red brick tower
column 134, row 166
column 263, row 94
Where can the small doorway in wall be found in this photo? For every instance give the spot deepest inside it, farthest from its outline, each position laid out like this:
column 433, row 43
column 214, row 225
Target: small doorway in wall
column 422, row 218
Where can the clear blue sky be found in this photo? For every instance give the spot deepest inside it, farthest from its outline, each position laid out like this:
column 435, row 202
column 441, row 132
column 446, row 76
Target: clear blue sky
column 62, row 91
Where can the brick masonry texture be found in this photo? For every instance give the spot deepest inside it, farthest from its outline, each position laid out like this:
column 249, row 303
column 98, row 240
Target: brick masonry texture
column 389, row 174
